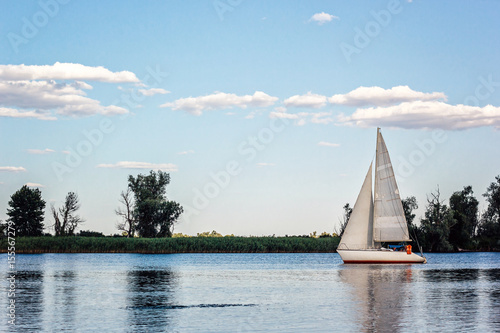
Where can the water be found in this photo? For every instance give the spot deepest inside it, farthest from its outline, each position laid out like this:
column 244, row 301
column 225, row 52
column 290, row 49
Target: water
column 252, row 293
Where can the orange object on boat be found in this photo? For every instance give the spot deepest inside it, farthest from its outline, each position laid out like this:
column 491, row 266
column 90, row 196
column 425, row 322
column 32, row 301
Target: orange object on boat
column 408, row 249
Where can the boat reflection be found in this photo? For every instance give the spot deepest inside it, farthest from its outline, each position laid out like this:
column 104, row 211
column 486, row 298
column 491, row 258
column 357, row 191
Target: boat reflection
column 379, row 294
column 150, row 298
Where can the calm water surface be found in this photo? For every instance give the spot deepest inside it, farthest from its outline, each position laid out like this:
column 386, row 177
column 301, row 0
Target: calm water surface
column 251, row 293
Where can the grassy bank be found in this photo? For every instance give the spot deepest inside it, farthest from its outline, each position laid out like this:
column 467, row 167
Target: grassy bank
column 172, row 245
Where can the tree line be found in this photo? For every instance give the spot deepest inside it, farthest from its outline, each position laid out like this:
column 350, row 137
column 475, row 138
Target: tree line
column 146, row 212
column 458, row 226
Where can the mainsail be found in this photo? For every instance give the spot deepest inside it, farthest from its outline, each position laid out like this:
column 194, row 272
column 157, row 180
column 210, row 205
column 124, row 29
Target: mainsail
column 389, row 222
column 358, row 232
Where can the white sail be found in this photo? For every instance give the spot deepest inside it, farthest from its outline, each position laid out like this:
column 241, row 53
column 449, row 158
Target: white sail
column 389, row 218
column 358, row 232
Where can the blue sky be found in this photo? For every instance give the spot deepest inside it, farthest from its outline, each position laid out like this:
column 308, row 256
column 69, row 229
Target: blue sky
column 264, row 113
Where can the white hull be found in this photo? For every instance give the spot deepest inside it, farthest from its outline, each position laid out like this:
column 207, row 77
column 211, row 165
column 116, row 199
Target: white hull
column 379, row 257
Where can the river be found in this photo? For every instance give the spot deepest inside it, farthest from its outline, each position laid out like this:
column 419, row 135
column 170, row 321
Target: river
column 250, row 293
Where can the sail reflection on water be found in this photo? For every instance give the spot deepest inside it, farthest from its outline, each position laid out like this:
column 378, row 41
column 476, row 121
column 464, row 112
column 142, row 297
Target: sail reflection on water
column 379, row 294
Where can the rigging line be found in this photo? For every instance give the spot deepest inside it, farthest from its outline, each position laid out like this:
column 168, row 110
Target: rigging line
column 418, row 244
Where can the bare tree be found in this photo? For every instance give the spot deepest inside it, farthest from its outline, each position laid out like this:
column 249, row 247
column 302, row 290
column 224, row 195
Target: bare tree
column 126, row 213
column 65, row 219
column 436, row 224
column 345, row 219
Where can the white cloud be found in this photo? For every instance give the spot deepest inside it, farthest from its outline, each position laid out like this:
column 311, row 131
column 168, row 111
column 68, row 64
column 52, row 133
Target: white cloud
column 140, row 165
column 280, row 112
column 321, row 118
column 426, row 115
column 308, row 100
column 153, row 91
column 14, row 113
column 377, row 96
column 262, row 164
column 64, row 71
column 322, row 18
column 40, row 94
column 34, row 185
column 328, row 144
column 93, row 107
column 186, row 152
column 302, row 118
column 41, row 151
column 66, row 99
column 283, row 115
column 219, row 101
column 252, row 114
column 37, row 91
column 12, row 169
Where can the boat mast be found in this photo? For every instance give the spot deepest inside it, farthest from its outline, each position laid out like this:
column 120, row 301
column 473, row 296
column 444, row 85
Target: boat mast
column 375, row 196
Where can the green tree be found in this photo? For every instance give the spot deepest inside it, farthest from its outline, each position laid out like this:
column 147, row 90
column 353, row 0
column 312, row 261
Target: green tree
column 489, row 228
column 65, row 218
column 464, row 207
column 435, row 227
column 154, row 214
column 90, row 233
column 410, row 204
column 26, row 212
column 209, row 234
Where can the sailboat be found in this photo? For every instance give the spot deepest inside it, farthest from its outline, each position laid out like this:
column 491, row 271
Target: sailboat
column 378, row 220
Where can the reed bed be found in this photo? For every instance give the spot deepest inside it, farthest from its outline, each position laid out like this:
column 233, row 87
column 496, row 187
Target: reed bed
column 76, row 244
